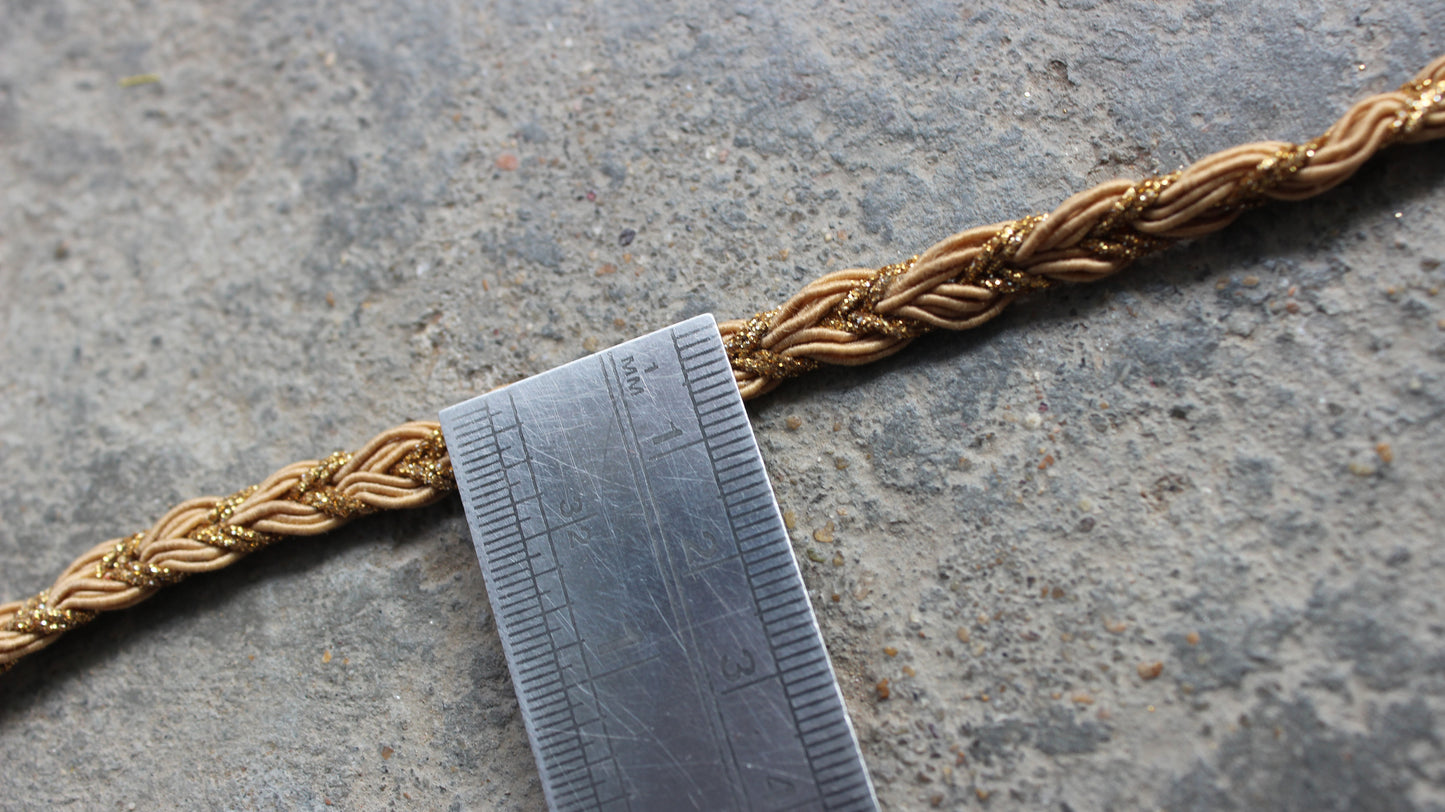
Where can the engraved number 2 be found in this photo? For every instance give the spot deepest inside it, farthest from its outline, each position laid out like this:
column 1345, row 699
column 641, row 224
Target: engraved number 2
column 704, row 549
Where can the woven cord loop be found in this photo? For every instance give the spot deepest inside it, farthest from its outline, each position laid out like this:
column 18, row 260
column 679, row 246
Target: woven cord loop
column 848, row 317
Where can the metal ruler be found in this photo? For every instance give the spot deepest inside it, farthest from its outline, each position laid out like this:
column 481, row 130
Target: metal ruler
column 662, row 645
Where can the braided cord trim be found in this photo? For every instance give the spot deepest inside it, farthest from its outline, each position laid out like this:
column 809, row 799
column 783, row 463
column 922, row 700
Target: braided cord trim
column 859, row 315
column 846, row 317
column 403, row 467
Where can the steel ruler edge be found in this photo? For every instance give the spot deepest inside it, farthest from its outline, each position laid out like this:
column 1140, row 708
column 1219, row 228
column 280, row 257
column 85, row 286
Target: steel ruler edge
column 660, row 639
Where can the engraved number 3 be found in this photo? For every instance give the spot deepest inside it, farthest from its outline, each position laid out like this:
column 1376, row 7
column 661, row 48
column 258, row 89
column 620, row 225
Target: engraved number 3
column 570, row 504
column 734, row 669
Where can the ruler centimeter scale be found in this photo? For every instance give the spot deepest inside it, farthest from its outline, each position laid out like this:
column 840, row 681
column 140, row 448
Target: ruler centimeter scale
column 659, row 636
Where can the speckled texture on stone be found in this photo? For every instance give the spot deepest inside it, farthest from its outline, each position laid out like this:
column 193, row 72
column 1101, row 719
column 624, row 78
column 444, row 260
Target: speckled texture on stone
column 1227, row 460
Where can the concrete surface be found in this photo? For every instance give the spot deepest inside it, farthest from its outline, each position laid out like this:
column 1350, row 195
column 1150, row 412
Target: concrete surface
column 327, row 217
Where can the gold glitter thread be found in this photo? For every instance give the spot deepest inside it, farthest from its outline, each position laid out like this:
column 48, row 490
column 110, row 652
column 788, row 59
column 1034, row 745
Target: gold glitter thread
column 1131, row 204
column 207, row 534
column 852, row 314
column 123, row 563
column 992, row 270
column 1269, row 173
column 968, row 278
column 233, row 538
column 224, row 508
column 39, row 616
column 1114, row 239
column 856, row 313
column 429, row 464
column 1428, row 97
column 772, row 365
column 335, row 504
column 321, row 473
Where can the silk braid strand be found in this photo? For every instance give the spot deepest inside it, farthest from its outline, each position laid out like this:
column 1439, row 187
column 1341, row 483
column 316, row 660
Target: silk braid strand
column 403, row 467
column 847, row 317
column 859, row 315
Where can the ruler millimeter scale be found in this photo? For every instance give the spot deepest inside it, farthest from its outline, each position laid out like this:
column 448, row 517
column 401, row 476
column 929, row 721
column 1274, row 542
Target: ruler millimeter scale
column 660, row 639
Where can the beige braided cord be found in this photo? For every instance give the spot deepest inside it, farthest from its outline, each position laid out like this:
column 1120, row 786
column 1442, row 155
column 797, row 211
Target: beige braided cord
column 403, row 467
column 846, row 317
column 859, row 315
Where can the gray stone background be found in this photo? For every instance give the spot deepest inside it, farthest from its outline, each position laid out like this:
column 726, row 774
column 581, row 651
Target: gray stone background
column 311, row 228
